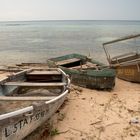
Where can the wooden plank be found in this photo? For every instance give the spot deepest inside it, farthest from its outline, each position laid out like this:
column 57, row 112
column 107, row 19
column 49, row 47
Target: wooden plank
column 32, row 84
column 44, row 78
column 44, row 73
column 125, row 59
column 68, row 61
column 27, row 98
column 85, row 66
column 122, row 39
column 124, row 55
column 127, row 63
column 32, row 64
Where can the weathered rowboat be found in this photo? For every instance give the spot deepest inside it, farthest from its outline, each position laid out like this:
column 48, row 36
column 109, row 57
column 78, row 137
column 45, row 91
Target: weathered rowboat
column 127, row 65
column 28, row 98
column 84, row 71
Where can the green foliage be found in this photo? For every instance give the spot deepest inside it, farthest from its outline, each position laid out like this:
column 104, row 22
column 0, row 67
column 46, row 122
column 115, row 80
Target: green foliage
column 54, row 132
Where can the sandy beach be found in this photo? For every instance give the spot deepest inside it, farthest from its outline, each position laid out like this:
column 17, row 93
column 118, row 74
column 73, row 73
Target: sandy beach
column 97, row 115
column 89, row 114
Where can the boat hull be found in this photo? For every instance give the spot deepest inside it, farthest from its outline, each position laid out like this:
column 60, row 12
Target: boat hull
column 129, row 72
column 18, row 127
column 91, row 79
column 17, row 124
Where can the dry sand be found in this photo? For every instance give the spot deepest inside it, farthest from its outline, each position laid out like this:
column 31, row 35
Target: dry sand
column 97, row 115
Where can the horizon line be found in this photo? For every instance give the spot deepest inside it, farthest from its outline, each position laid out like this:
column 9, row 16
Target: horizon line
column 68, row 20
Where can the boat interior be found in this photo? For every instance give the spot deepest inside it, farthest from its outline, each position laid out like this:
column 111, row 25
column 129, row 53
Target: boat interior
column 75, row 63
column 20, row 89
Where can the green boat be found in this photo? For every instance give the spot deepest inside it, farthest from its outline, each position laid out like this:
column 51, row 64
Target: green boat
column 84, row 71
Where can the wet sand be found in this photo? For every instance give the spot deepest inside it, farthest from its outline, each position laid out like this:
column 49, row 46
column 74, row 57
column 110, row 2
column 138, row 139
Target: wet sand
column 97, row 115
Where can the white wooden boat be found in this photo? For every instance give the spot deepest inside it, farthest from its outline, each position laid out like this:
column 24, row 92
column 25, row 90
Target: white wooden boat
column 21, row 110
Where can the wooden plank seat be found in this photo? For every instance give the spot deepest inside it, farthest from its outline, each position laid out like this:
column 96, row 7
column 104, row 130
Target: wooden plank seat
column 32, row 84
column 68, row 61
column 44, row 73
column 125, row 58
column 44, row 76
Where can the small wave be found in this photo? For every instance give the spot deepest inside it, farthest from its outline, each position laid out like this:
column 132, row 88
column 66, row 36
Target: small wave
column 15, row 24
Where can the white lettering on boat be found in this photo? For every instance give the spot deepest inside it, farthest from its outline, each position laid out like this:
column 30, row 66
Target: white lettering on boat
column 16, row 127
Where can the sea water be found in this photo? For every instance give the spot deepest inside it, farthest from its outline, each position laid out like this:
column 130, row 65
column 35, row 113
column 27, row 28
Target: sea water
column 36, row 41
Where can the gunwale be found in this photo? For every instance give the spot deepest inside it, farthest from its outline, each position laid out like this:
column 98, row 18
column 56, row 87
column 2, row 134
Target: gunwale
column 28, row 106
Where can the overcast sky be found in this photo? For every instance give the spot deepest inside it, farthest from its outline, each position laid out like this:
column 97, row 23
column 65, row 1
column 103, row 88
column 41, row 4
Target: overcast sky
column 69, row 10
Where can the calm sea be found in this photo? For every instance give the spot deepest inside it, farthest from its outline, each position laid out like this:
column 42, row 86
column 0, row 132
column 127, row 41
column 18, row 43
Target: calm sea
column 36, row 41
